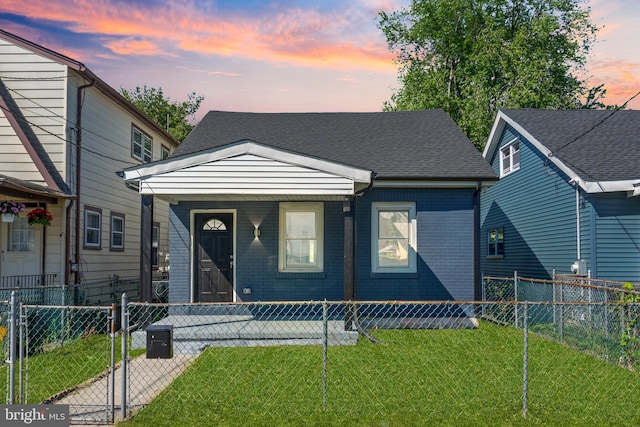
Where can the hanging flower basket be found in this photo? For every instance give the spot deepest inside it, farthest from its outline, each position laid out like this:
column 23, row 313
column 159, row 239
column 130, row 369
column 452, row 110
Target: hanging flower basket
column 39, row 216
column 10, row 209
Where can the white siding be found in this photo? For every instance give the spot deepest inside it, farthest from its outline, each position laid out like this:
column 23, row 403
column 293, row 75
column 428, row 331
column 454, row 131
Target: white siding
column 247, row 174
column 37, row 84
column 46, row 92
column 106, row 143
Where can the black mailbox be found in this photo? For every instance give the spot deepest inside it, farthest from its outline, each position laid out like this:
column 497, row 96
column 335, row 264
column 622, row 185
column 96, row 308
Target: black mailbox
column 159, row 341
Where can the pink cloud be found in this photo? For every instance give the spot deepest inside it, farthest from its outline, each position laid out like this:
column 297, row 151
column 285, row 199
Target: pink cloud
column 130, row 46
column 620, row 78
column 298, row 36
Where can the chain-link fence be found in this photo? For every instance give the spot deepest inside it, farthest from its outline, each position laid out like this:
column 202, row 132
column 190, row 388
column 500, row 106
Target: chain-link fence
column 60, row 355
column 367, row 363
column 337, row 362
column 563, row 288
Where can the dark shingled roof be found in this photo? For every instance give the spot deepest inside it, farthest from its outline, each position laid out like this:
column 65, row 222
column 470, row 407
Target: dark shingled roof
column 599, row 145
column 404, row 144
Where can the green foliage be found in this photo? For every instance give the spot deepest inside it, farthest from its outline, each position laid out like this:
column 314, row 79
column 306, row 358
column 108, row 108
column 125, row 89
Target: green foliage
column 160, row 109
column 472, row 58
column 630, row 339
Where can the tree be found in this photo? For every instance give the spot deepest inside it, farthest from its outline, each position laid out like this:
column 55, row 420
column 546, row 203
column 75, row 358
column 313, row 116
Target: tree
column 473, row 57
column 171, row 115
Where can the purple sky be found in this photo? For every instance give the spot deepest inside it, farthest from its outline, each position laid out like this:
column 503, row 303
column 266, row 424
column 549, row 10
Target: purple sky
column 269, row 56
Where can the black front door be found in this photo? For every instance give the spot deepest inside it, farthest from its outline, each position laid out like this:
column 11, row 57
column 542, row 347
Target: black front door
column 214, row 257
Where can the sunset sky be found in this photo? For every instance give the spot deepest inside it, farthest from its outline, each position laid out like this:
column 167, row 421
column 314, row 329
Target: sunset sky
column 270, row 56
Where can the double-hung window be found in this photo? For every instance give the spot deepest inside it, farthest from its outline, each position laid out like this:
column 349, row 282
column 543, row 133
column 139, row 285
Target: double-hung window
column 301, row 237
column 393, row 238
column 495, row 243
column 510, row 158
column 141, row 145
column 117, row 232
column 92, row 228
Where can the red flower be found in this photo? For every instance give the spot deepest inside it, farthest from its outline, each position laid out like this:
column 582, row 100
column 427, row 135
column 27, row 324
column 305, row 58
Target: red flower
column 40, row 216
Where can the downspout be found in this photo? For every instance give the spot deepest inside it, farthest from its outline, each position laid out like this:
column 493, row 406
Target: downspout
column 79, row 101
column 67, row 249
column 350, row 251
column 357, row 194
column 574, row 181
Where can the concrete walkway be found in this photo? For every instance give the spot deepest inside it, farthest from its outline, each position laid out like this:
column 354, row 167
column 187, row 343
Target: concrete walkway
column 91, row 405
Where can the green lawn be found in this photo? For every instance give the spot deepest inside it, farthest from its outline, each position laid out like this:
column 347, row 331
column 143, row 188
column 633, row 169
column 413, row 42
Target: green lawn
column 427, row 377
column 60, row 368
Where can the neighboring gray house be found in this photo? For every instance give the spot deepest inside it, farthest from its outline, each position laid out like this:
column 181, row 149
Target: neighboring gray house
column 63, row 134
column 308, row 206
column 568, row 199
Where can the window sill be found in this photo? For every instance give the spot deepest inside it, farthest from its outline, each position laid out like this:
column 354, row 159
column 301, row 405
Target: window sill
column 495, row 257
column 389, row 275
column 300, row 275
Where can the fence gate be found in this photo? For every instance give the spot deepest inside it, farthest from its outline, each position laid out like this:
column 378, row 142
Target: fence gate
column 62, row 355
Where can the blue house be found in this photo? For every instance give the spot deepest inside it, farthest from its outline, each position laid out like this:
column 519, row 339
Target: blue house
column 308, row 206
column 568, row 198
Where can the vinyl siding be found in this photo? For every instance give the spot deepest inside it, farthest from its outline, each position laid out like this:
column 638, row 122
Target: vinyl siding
column 536, row 208
column 247, row 174
column 37, row 84
column 106, row 149
column 46, row 92
column 618, row 237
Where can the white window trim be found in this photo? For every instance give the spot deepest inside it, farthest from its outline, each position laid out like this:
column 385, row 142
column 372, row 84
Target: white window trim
column 144, row 137
column 378, row 207
column 114, row 217
column 509, row 147
column 164, row 152
column 318, row 209
column 89, row 210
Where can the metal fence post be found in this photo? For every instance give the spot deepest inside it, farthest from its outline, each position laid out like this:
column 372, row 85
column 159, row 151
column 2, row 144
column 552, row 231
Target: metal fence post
column 325, row 341
column 561, row 313
column 125, row 333
column 484, row 293
column 515, row 291
column 22, row 323
column 112, row 402
column 12, row 349
column 525, row 370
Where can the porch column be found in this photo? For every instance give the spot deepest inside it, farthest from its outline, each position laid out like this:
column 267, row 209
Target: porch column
column 349, row 260
column 146, row 233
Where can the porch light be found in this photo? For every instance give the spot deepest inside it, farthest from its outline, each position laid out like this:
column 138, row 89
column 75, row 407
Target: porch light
column 256, row 232
column 346, row 204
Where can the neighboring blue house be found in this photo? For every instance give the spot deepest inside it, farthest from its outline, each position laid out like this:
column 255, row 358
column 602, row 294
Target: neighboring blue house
column 308, row 206
column 568, row 198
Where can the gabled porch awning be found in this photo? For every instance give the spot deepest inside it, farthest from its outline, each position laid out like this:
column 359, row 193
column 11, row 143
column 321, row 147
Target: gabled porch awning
column 247, row 171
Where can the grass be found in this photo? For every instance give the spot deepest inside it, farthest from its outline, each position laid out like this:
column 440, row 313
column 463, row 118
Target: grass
column 428, row 377
column 63, row 367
